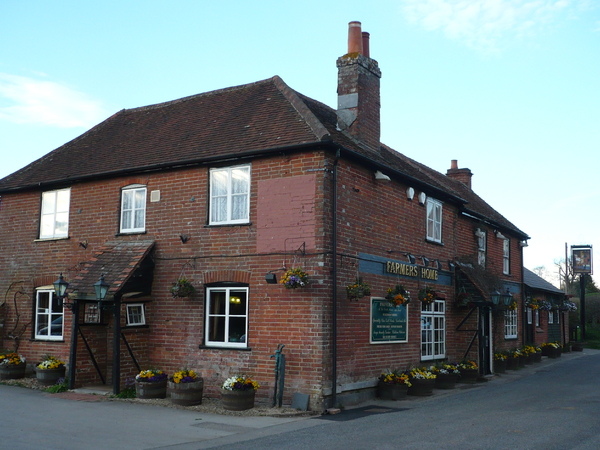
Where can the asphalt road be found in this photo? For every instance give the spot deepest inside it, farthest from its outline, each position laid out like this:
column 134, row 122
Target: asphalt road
column 552, row 405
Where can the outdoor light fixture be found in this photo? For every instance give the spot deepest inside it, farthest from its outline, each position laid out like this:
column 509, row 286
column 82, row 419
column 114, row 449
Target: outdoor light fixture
column 271, row 278
column 422, row 198
column 101, row 288
column 450, row 265
column 411, row 258
column 425, row 260
column 60, row 289
column 438, row 264
column 410, row 193
column 507, row 298
column 496, row 297
column 381, row 176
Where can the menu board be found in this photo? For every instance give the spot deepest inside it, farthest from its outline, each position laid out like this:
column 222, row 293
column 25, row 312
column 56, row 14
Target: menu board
column 388, row 322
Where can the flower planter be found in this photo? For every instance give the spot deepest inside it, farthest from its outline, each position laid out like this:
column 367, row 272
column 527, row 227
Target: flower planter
column 512, row 363
column 48, row 377
column 238, row 400
column 500, row 366
column 537, row 357
column 151, row 389
column 577, row 347
column 469, row 376
column 186, row 394
column 386, row 391
column 12, row 371
column 421, row 387
column 522, row 361
column 529, row 359
column 446, row 380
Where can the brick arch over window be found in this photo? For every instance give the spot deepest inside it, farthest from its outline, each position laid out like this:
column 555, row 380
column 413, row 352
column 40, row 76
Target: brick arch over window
column 46, row 280
column 216, row 276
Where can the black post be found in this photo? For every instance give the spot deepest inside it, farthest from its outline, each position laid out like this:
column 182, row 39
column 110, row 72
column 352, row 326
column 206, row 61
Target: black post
column 73, row 348
column 117, row 346
column 582, row 299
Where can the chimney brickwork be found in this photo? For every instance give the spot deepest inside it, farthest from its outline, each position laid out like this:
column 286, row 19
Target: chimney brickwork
column 359, row 101
column 462, row 175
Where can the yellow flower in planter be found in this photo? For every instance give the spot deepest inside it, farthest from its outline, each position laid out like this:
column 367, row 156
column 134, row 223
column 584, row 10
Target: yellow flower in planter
column 50, row 362
column 294, row 278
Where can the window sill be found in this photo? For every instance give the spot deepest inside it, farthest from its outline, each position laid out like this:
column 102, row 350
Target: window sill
column 538, row 330
column 431, row 241
column 207, row 347
column 220, row 225
column 58, row 341
column 52, row 239
column 511, row 338
column 132, row 233
column 135, row 327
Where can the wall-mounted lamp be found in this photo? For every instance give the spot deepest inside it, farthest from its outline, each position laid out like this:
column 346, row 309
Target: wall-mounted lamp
column 451, row 265
column 411, row 258
column 422, row 198
column 381, row 176
column 60, row 289
column 438, row 264
column 271, row 278
column 410, row 194
column 425, row 260
column 495, row 297
column 101, row 289
column 523, row 244
column 507, row 298
column 499, row 235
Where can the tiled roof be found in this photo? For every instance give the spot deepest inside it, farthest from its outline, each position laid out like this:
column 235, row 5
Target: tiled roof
column 117, row 261
column 533, row 281
column 243, row 120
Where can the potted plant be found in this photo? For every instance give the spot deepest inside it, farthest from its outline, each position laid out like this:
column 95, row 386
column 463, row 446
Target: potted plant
column 427, row 295
column 393, row 385
column 422, row 381
column 469, row 371
column 537, row 356
column 12, row 365
column 182, row 288
column 151, row 383
column 550, row 349
column 462, row 298
column 447, row 375
column 186, row 387
column 533, row 303
column 528, row 351
column 500, row 362
column 512, row 360
column 49, row 371
column 358, row 289
column 398, row 295
column 237, row 393
column 294, row 278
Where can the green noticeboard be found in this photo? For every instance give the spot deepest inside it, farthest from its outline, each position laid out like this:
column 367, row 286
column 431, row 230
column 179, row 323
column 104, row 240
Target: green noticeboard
column 388, row 322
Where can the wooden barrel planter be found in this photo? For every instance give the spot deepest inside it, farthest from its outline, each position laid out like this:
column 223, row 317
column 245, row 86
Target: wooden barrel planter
column 12, row 371
column 446, row 380
column 187, row 394
column 500, row 366
column 529, row 358
column 238, row 400
column 421, row 387
column 537, row 357
column 151, row 389
column 512, row 363
column 522, row 360
column 386, row 391
column 577, row 347
column 469, row 376
column 48, row 377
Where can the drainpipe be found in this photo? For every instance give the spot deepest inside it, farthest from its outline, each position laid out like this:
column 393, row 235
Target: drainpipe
column 116, row 372
column 334, row 287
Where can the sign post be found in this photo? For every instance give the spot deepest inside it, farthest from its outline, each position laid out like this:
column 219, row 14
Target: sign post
column 581, row 260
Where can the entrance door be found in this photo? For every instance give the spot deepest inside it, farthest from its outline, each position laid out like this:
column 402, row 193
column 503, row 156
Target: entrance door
column 485, row 336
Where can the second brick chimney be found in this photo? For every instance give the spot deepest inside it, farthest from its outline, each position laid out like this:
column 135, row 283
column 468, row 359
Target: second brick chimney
column 358, row 90
column 462, row 175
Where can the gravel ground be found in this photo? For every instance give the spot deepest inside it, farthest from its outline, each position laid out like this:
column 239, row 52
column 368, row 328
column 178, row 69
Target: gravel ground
column 209, row 405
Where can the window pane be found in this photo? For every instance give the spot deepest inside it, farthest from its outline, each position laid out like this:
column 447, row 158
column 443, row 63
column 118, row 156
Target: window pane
column 140, row 198
column 239, row 207
column 62, row 201
column 43, row 302
column 127, row 200
column 219, row 183
column 219, row 209
column 42, row 326
column 48, row 202
column 217, row 302
column 239, row 180
column 56, row 325
column 237, row 303
column 126, row 220
column 216, row 331
column 62, row 224
column 139, row 218
column 237, row 329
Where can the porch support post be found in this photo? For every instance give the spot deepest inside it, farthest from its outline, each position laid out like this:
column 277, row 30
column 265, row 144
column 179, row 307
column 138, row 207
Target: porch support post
column 116, row 375
column 73, row 347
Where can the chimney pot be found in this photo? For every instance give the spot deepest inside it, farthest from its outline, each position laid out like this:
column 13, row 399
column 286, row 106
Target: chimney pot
column 454, row 164
column 355, row 39
column 365, row 44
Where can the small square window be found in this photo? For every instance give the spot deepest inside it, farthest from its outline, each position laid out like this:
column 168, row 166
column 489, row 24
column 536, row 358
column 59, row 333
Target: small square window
column 136, row 314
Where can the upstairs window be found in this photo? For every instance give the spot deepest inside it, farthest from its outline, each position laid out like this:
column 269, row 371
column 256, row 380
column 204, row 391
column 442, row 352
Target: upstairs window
column 229, row 195
column 506, row 257
column 481, row 247
column 133, row 209
column 54, row 221
column 48, row 315
column 434, row 220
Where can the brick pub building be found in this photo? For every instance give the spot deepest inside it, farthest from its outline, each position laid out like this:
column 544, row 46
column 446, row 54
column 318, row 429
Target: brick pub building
column 229, row 189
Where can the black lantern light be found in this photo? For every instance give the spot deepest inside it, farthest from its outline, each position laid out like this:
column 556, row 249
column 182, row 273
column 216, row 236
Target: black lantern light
column 496, row 297
column 60, row 289
column 507, row 298
column 101, row 288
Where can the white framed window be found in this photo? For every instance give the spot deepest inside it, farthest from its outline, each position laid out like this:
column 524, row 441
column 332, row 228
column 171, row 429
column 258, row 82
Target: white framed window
column 54, row 221
column 434, row 220
column 433, row 330
column 133, row 209
column 529, row 312
column 226, row 317
column 506, row 257
column 48, row 315
column 510, row 324
column 550, row 317
column 481, row 247
column 136, row 314
column 229, row 195
column 537, row 318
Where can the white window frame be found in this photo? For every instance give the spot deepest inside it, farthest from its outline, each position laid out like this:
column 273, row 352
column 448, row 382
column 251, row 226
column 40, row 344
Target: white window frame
column 550, row 317
column 434, row 220
column 510, row 324
column 481, row 248
column 433, row 330
column 537, row 318
column 506, row 257
column 226, row 195
column 136, row 207
column 135, row 311
column 529, row 312
column 213, row 317
column 54, row 214
column 51, row 313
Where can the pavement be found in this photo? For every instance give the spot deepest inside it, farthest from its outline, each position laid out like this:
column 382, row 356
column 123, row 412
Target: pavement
column 186, row 429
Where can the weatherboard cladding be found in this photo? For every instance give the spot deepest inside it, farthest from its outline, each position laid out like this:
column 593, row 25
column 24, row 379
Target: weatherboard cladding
column 242, row 120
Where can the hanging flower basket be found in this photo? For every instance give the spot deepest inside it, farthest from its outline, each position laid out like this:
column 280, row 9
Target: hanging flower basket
column 182, row 288
column 294, row 278
column 398, row 295
column 358, row 290
column 427, row 295
column 462, row 298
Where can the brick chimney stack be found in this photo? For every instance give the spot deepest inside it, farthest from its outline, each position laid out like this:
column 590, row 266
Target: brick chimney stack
column 462, row 175
column 358, row 90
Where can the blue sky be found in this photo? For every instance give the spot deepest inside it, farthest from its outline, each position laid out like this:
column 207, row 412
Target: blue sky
column 509, row 88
